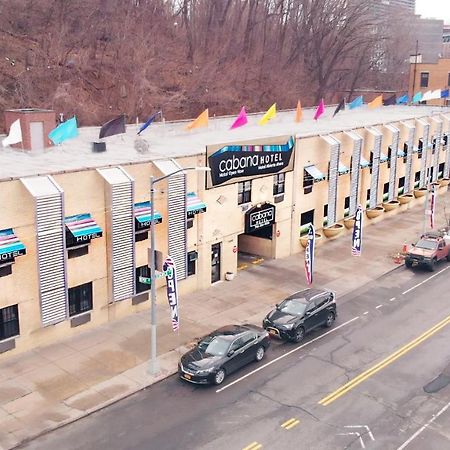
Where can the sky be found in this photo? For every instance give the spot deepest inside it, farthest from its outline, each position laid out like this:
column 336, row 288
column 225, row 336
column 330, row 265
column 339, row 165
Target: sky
column 435, row 9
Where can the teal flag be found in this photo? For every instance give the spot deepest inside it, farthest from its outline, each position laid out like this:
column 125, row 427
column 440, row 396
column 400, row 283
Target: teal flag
column 403, row 100
column 417, row 97
column 356, row 103
column 64, row 131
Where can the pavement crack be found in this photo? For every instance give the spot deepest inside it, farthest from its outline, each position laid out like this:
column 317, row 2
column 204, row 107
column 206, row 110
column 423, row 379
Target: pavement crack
column 288, row 405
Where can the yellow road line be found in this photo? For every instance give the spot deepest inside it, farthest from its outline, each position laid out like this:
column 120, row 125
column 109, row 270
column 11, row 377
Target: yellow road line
column 258, row 261
column 253, row 446
column 288, row 422
column 242, row 267
column 385, row 362
column 292, row 424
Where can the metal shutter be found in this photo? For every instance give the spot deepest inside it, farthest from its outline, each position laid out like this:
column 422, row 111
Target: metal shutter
column 373, row 202
column 409, row 157
column 437, row 137
column 395, row 132
column 355, row 172
column 176, row 200
column 447, row 150
column 50, row 247
column 423, row 163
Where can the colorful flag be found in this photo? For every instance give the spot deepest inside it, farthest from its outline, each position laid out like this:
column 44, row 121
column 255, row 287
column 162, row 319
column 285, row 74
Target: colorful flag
column 417, row 97
column 309, row 254
column 432, row 208
column 403, row 100
column 270, row 114
column 356, row 103
column 200, row 121
column 357, row 232
column 149, row 122
column 339, row 107
column 320, row 110
column 426, row 96
column 15, row 134
column 114, row 126
column 376, row 102
column 298, row 112
column 444, row 93
column 172, row 291
column 240, row 120
column 64, row 131
column 392, row 100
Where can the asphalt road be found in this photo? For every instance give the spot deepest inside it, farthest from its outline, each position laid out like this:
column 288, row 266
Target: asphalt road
column 358, row 385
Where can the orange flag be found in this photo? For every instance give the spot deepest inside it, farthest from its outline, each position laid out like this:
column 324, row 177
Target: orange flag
column 298, row 112
column 200, row 121
column 376, row 102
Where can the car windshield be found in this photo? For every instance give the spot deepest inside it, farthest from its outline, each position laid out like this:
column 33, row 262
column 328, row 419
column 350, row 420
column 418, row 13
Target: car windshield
column 427, row 245
column 214, row 345
column 295, row 306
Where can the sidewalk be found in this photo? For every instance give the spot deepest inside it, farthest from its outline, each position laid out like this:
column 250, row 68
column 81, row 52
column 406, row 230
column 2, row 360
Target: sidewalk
column 45, row 388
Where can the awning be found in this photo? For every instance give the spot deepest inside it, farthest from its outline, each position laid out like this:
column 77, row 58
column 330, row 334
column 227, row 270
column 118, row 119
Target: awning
column 82, row 228
column 194, row 205
column 343, row 169
column 315, row 173
column 10, row 245
column 142, row 215
column 383, row 157
column 401, row 153
column 363, row 163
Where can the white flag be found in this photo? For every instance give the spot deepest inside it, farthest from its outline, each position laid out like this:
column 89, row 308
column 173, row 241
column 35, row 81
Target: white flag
column 427, row 96
column 15, row 134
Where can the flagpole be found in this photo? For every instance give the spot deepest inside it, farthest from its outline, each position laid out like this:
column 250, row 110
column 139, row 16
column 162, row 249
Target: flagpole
column 415, row 68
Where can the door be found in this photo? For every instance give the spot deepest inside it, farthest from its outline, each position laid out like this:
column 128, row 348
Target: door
column 311, row 316
column 237, row 359
column 322, row 310
column 215, row 263
column 37, row 135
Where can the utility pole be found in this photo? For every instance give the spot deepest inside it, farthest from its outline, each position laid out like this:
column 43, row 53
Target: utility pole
column 415, row 69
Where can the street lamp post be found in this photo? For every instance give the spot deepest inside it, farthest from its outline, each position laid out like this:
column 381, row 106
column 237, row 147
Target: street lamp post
column 153, row 364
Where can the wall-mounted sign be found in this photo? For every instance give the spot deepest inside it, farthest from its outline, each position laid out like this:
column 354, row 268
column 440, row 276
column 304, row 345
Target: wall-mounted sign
column 259, row 217
column 232, row 163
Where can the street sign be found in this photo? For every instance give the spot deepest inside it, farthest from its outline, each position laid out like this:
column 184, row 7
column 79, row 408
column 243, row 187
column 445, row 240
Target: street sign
column 145, row 280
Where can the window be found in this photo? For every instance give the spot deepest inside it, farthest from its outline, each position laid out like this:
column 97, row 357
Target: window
column 441, row 170
column 305, row 219
column 80, row 299
column 401, row 182
column 237, row 344
column 278, row 184
column 141, row 236
column 389, row 155
column 347, row 202
column 325, row 210
column 77, row 251
column 448, row 79
column 420, row 148
column 191, row 258
column 371, row 162
column 9, row 322
column 5, row 270
column 368, row 194
column 308, row 182
column 433, row 146
column 417, row 176
column 424, row 78
column 244, row 192
column 385, row 188
column 142, row 271
column 249, row 337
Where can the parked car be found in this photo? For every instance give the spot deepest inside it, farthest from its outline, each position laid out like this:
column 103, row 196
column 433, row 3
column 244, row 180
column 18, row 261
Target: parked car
column 428, row 250
column 222, row 352
column 301, row 313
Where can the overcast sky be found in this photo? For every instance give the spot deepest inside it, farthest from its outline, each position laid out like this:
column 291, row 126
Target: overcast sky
column 436, row 9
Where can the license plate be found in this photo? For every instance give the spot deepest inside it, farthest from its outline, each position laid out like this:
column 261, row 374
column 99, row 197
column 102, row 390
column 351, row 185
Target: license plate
column 273, row 333
column 187, row 376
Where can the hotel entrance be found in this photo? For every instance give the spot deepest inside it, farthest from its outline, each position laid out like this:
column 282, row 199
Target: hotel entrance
column 257, row 242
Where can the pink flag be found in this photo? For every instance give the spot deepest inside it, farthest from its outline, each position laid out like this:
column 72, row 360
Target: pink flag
column 320, row 110
column 241, row 119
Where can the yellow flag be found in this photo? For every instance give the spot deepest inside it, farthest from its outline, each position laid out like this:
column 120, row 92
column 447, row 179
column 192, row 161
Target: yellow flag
column 376, row 102
column 200, row 121
column 270, row 114
column 298, row 112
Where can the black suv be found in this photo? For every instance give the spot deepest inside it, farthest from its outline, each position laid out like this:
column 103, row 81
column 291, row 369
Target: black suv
column 300, row 313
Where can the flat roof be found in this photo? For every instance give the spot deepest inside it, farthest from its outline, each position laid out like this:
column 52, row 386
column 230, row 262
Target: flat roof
column 170, row 139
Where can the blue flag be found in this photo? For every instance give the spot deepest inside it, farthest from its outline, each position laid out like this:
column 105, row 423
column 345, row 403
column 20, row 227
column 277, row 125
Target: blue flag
column 417, row 97
column 356, row 103
column 444, row 93
column 149, row 122
column 64, row 131
column 403, row 100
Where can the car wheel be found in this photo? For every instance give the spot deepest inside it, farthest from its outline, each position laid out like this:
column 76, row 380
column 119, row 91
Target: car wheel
column 299, row 334
column 219, row 377
column 432, row 265
column 330, row 320
column 408, row 263
column 260, row 353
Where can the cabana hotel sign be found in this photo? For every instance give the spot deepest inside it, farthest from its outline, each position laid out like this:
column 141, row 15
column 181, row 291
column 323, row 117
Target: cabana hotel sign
column 248, row 160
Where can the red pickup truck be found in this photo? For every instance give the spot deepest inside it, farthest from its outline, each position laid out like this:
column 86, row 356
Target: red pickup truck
column 428, row 250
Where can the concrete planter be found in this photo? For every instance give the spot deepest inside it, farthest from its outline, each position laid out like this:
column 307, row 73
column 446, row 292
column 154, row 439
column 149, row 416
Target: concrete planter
column 229, row 276
column 405, row 198
column 304, row 239
column 420, row 192
column 392, row 204
column 444, row 182
column 374, row 212
column 333, row 230
column 349, row 222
